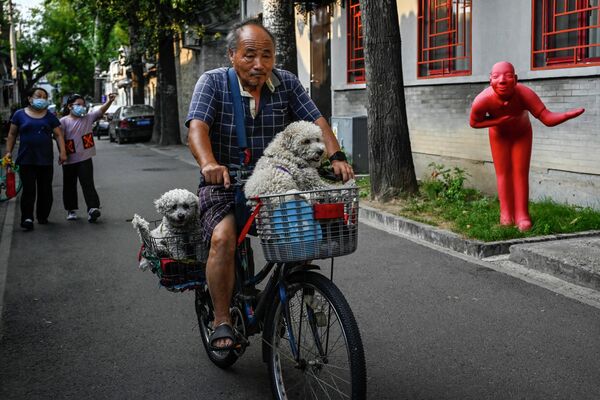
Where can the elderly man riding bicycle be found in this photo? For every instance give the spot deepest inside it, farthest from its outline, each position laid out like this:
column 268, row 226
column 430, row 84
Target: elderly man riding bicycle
column 272, row 98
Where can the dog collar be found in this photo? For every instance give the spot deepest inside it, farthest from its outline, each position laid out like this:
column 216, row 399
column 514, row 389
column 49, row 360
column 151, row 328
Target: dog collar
column 282, row 168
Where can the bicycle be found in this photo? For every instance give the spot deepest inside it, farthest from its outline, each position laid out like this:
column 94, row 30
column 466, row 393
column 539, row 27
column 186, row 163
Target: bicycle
column 10, row 180
column 310, row 339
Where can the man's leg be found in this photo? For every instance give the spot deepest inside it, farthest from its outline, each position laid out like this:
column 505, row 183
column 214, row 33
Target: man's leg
column 220, row 272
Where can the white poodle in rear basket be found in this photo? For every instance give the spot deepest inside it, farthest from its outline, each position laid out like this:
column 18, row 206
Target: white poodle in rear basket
column 289, row 163
column 179, row 208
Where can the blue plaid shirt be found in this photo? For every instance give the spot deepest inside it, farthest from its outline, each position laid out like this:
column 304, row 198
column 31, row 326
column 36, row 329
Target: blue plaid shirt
column 211, row 103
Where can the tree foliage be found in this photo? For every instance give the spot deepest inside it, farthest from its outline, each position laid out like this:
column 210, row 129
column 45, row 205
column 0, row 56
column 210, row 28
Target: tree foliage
column 153, row 26
column 58, row 41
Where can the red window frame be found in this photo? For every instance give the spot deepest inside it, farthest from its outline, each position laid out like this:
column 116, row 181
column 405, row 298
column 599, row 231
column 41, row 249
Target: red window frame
column 356, row 53
column 444, row 38
column 549, row 34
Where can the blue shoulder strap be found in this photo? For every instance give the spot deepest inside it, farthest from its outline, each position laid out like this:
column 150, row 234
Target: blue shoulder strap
column 238, row 116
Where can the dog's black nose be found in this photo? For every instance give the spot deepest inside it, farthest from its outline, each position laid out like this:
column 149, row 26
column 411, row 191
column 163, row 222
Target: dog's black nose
column 180, row 216
column 320, row 152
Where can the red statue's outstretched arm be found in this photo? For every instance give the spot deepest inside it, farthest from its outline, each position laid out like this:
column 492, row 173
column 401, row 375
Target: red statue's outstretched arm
column 550, row 118
column 539, row 110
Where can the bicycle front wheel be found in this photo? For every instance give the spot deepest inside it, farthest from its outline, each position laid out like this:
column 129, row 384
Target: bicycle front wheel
column 313, row 346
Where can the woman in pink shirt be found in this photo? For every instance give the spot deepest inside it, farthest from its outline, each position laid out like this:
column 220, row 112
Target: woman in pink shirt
column 79, row 142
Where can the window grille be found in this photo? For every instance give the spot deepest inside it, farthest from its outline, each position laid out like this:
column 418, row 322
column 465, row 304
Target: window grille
column 565, row 33
column 356, row 53
column 444, row 29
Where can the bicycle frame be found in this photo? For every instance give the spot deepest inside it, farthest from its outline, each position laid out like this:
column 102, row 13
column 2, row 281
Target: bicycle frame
column 275, row 286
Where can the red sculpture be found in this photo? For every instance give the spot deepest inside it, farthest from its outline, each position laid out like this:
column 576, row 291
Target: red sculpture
column 504, row 108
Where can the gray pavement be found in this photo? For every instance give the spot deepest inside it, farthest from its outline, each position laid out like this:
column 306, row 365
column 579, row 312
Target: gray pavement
column 574, row 258
column 82, row 322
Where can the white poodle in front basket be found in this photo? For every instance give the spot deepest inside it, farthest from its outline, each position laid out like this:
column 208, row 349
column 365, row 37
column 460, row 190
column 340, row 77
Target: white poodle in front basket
column 289, row 163
column 179, row 208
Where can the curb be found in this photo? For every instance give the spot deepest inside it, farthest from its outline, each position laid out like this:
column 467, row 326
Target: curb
column 567, row 260
column 451, row 240
column 7, row 216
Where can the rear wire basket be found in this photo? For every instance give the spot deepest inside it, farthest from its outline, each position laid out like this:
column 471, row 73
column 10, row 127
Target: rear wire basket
column 179, row 260
column 308, row 225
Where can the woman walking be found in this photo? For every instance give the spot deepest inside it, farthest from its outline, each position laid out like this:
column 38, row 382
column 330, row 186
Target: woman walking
column 79, row 141
column 35, row 126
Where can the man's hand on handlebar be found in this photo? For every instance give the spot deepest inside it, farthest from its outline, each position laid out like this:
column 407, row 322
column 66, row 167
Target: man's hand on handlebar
column 342, row 169
column 215, row 174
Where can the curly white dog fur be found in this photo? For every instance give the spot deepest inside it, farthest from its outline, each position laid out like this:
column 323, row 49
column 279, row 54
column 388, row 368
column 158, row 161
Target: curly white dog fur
column 289, row 163
column 179, row 208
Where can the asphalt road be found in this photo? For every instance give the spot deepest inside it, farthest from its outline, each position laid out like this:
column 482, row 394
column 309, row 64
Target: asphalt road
column 80, row 321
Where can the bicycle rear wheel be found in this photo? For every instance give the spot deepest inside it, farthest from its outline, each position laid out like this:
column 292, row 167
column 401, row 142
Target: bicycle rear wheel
column 318, row 323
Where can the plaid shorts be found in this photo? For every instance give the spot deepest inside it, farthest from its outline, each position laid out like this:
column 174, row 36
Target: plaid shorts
column 215, row 202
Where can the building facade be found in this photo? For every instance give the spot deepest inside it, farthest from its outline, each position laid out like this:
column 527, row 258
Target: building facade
column 448, row 49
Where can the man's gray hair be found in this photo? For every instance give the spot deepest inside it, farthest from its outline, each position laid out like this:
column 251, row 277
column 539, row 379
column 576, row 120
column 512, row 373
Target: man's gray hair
column 234, row 35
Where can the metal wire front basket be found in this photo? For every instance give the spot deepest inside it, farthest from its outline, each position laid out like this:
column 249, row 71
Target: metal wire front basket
column 178, row 260
column 308, row 225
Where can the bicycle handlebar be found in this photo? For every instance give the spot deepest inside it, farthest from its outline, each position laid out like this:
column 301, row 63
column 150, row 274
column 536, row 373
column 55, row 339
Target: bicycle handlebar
column 239, row 176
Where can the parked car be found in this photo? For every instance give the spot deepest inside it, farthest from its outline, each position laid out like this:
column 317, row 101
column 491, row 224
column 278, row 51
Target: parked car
column 100, row 127
column 131, row 122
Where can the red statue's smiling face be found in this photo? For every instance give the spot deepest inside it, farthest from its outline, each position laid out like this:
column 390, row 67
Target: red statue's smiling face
column 503, row 79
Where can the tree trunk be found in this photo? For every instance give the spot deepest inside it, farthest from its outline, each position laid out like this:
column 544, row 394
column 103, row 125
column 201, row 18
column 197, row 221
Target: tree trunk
column 166, row 92
column 279, row 18
column 156, row 130
column 391, row 163
column 137, row 66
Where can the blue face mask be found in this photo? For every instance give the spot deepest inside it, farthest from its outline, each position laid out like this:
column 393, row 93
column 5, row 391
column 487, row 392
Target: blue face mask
column 39, row 104
column 78, row 110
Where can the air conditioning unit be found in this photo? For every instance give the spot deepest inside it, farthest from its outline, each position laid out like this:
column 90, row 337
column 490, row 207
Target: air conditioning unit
column 352, row 134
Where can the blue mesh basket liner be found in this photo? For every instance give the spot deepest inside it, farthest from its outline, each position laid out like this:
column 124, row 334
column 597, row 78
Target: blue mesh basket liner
column 295, row 228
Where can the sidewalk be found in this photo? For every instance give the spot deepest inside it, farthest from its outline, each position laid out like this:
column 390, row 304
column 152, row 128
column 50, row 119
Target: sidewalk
column 571, row 257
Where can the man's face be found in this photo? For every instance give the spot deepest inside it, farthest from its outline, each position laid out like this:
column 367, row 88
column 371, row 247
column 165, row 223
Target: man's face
column 503, row 79
column 254, row 57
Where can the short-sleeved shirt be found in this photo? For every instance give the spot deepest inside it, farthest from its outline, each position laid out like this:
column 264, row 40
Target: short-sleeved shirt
column 35, row 138
column 285, row 103
column 79, row 139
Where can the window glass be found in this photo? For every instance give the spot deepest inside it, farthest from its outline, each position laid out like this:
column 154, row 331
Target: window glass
column 356, row 54
column 136, row 111
column 566, row 32
column 444, row 28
